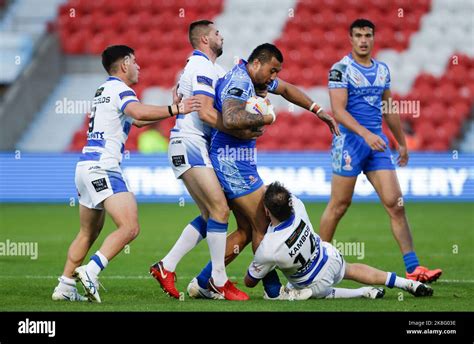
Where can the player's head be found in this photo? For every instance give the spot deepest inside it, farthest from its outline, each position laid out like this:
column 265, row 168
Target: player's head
column 362, row 32
column 119, row 60
column 264, row 64
column 203, row 33
column 277, row 201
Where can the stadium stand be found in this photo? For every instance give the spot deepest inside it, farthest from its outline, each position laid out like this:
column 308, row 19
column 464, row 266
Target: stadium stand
column 313, row 36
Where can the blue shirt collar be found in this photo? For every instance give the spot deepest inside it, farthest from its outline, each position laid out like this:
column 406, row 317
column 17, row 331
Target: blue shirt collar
column 114, row 78
column 285, row 224
column 200, row 53
column 371, row 60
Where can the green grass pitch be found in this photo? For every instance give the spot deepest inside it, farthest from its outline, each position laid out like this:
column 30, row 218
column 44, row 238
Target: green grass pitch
column 443, row 235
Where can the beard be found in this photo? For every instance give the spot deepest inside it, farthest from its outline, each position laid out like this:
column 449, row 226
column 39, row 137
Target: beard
column 218, row 50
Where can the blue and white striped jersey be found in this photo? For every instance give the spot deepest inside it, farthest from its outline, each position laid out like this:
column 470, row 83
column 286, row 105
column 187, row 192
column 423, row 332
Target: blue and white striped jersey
column 199, row 77
column 292, row 247
column 109, row 125
column 365, row 87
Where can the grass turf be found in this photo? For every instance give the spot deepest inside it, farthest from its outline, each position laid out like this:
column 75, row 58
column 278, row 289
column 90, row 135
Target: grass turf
column 442, row 234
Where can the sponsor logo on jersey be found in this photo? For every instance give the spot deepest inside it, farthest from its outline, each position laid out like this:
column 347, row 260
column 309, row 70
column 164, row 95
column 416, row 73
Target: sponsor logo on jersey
column 295, row 235
column 335, row 75
column 204, row 80
column 99, row 92
column 178, row 160
column 100, row 184
column 235, row 92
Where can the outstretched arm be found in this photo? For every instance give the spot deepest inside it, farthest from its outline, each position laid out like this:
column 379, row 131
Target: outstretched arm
column 296, row 96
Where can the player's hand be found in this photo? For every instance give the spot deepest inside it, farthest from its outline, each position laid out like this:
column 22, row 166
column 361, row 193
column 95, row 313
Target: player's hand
column 375, row 142
column 189, row 105
column 330, row 121
column 249, row 134
column 402, row 159
column 176, row 97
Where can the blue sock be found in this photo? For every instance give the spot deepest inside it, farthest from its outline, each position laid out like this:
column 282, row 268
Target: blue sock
column 271, row 284
column 204, row 275
column 411, row 261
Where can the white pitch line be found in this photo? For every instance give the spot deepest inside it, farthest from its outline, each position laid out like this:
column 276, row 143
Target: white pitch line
column 140, row 277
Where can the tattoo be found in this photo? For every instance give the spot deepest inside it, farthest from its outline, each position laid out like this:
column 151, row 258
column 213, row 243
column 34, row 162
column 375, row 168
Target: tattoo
column 234, row 115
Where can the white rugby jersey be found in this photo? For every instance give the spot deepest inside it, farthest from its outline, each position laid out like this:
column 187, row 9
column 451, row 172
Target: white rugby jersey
column 293, row 247
column 198, row 77
column 109, row 125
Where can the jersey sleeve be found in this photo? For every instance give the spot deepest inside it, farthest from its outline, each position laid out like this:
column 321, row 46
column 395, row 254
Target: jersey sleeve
column 338, row 76
column 272, row 86
column 204, row 80
column 299, row 209
column 125, row 96
column 262, row 263
column 237, row 88
column 388, row 79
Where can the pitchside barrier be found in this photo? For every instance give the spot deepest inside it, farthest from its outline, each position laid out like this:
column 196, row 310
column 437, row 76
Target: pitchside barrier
column 49, row 177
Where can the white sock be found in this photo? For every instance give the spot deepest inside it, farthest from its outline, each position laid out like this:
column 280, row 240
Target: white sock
column 399, row 282
column 93, row 267
column 66, row 283
column 344, row 293
column 216, row 242
column 189, row 238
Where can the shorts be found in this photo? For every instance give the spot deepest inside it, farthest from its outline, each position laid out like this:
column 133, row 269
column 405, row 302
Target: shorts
column 351, row 155
column 96, row 182
column 331, row 274
column 186, row 152
column 238, row 177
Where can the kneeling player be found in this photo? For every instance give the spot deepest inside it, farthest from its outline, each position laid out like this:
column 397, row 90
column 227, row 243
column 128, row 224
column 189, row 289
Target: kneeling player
column 308, row 263
column 99, row 179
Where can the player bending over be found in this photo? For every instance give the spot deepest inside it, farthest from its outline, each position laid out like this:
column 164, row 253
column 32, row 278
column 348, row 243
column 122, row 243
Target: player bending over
column 292, row 246
column 99, row 179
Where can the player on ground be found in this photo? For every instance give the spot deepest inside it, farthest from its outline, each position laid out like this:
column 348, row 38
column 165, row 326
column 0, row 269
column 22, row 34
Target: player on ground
column 237, row 173
column 308, row 263
column 358, row 86
column 189, row 158
column 99, row 179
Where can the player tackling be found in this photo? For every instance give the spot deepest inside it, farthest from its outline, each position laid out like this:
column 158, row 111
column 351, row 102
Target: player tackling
column 99, row 181
column 310, row 264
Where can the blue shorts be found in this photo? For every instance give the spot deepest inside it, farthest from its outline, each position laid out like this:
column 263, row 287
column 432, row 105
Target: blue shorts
column 351, row 155
column 237, row 177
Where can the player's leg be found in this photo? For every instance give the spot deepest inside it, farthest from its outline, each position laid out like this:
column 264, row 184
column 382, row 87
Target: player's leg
column 91, row 223
column 386, row 184
column 342, row 189
column 122, row 208
column 366, row 274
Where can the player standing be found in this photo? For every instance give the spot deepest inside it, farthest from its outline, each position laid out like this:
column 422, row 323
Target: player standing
column 238, row 174
column 358, row 84
column 99, row 179
column 189, row 158
column 292, row 246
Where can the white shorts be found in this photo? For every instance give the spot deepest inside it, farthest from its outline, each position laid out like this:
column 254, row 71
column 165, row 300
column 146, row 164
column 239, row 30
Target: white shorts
column 186, row 152
column 331, row 274
column 95, row 182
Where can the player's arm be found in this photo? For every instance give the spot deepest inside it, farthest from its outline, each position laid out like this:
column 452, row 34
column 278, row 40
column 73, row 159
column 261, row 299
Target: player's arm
column 393, row 122
column 209, row 115
column 296, row 96
column 152, row 113
column 261, row 265
column 338, row 98
column 234, row 116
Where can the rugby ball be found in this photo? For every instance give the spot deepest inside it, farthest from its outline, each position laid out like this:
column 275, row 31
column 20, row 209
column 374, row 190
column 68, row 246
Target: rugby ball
column 257, row 105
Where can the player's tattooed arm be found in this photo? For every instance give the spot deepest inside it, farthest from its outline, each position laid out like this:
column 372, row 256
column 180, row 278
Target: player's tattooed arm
column 234, row 116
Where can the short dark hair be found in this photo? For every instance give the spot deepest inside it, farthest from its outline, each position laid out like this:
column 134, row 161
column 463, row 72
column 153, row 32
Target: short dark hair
column 114, row 53
column 197, row 29
column 360, row 23
column 265, row 52
column 277, row 199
